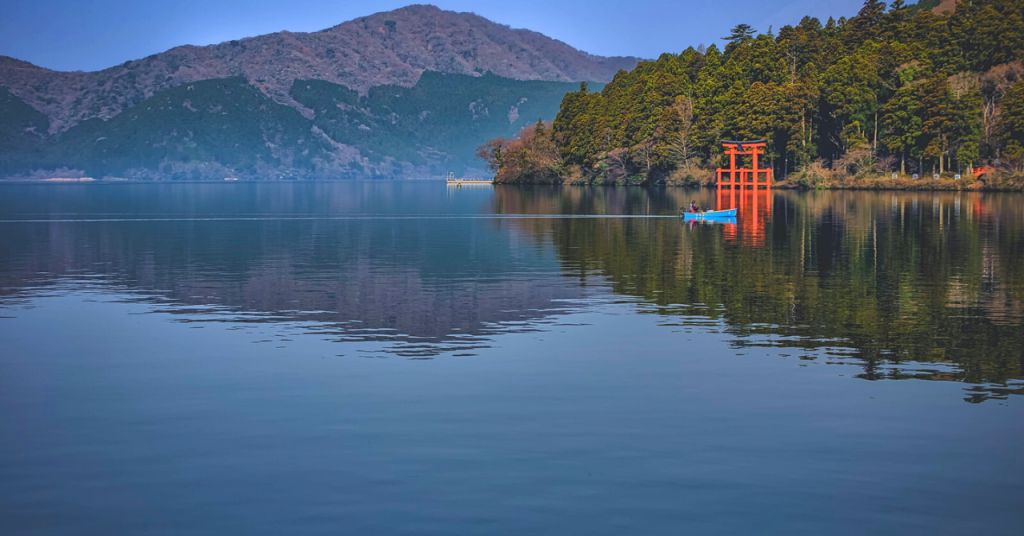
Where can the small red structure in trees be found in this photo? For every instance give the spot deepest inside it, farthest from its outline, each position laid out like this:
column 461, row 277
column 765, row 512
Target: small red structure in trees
column 753, row 204
column 740, row 176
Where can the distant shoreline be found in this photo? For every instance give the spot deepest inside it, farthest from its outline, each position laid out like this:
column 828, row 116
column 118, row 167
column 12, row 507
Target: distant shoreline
column 905, row 184
column 116, row 180
column 876, row 184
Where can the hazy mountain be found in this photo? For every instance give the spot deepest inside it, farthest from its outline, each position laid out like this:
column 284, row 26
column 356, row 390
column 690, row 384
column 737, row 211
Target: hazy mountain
column 219, row 128
column 393, row 47
column 407, row 92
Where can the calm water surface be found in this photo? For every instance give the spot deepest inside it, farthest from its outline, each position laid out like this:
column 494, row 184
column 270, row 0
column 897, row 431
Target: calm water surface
column 407, row 358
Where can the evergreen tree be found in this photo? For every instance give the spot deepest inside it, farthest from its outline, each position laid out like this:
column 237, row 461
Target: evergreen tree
column 869, row 23
column 740, row 33
column 1013, row 121
column 935, row 110
column 903, row 125
column 904, row 82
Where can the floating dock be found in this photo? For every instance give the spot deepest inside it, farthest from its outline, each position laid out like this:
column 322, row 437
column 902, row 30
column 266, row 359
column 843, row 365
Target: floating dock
column 453, row 181
column 469, row 181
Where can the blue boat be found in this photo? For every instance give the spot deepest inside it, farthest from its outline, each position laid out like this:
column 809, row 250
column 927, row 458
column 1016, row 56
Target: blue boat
column 715, row 215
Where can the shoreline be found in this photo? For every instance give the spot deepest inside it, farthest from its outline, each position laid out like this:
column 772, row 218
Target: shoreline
column 891, row 185
column 904, row 184
column 91, row 180
column 881, row 185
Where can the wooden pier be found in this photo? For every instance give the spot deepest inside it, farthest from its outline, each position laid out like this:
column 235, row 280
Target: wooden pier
column 469, row 181
column 452, row 181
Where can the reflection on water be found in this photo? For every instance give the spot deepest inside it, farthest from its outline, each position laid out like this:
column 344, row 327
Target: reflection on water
column 753, row 208
column 891, row 280
column 425, row 291
column 188, row 358
column 906, row 285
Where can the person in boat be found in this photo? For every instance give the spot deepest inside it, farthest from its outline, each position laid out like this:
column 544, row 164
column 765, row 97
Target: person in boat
column 694, row 208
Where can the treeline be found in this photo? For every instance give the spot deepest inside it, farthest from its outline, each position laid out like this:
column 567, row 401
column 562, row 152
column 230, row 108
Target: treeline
column 893, row 88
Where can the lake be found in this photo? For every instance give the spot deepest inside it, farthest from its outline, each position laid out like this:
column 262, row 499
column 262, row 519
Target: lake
column 410, row 358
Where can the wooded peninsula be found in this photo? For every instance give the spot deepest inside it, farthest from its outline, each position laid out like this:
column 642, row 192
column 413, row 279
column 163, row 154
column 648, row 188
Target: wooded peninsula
column 895, row 89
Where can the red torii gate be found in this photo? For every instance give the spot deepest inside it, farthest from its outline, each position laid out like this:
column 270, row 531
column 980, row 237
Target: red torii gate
column 744, row 182
column 747, row 176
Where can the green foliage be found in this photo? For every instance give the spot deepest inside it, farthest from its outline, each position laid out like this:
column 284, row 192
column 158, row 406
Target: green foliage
column 740, row 33
column 902, row 122
column 1013, row 121
column 902, row 83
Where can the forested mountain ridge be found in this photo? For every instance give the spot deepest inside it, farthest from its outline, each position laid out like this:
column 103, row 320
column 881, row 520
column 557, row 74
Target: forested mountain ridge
column 220, row 128
column 895, row 87
column 388, row 48
column 410, row 92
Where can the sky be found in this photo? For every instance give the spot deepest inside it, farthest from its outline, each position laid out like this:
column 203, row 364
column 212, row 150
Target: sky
column 90, row 35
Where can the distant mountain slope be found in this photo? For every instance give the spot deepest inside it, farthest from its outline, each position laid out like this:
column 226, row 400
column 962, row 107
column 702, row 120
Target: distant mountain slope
column 391, row 48
column 20, row 124
column 22, row 131
column 219, row 128
column 439, row 121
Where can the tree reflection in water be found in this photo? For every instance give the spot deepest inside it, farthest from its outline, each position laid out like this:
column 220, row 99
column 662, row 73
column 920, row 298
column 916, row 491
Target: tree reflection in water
column 904, row 285
column 901, row 283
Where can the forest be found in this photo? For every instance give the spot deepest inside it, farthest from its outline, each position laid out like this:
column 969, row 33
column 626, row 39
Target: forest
column 896, row 88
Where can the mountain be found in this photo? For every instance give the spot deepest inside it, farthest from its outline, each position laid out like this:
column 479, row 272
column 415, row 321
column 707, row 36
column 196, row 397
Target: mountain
column 449, row 114
column 227, row 127
column 218, row 127
column 407, row 92
column 393, row 47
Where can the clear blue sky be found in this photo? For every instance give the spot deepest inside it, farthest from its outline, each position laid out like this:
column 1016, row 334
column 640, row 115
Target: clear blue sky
column 95, row 34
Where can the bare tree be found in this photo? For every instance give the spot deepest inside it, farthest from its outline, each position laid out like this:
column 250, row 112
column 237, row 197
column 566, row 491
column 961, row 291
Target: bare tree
column 618, row 163
column 680, row 149
column 645, row 151
column 993, row 84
